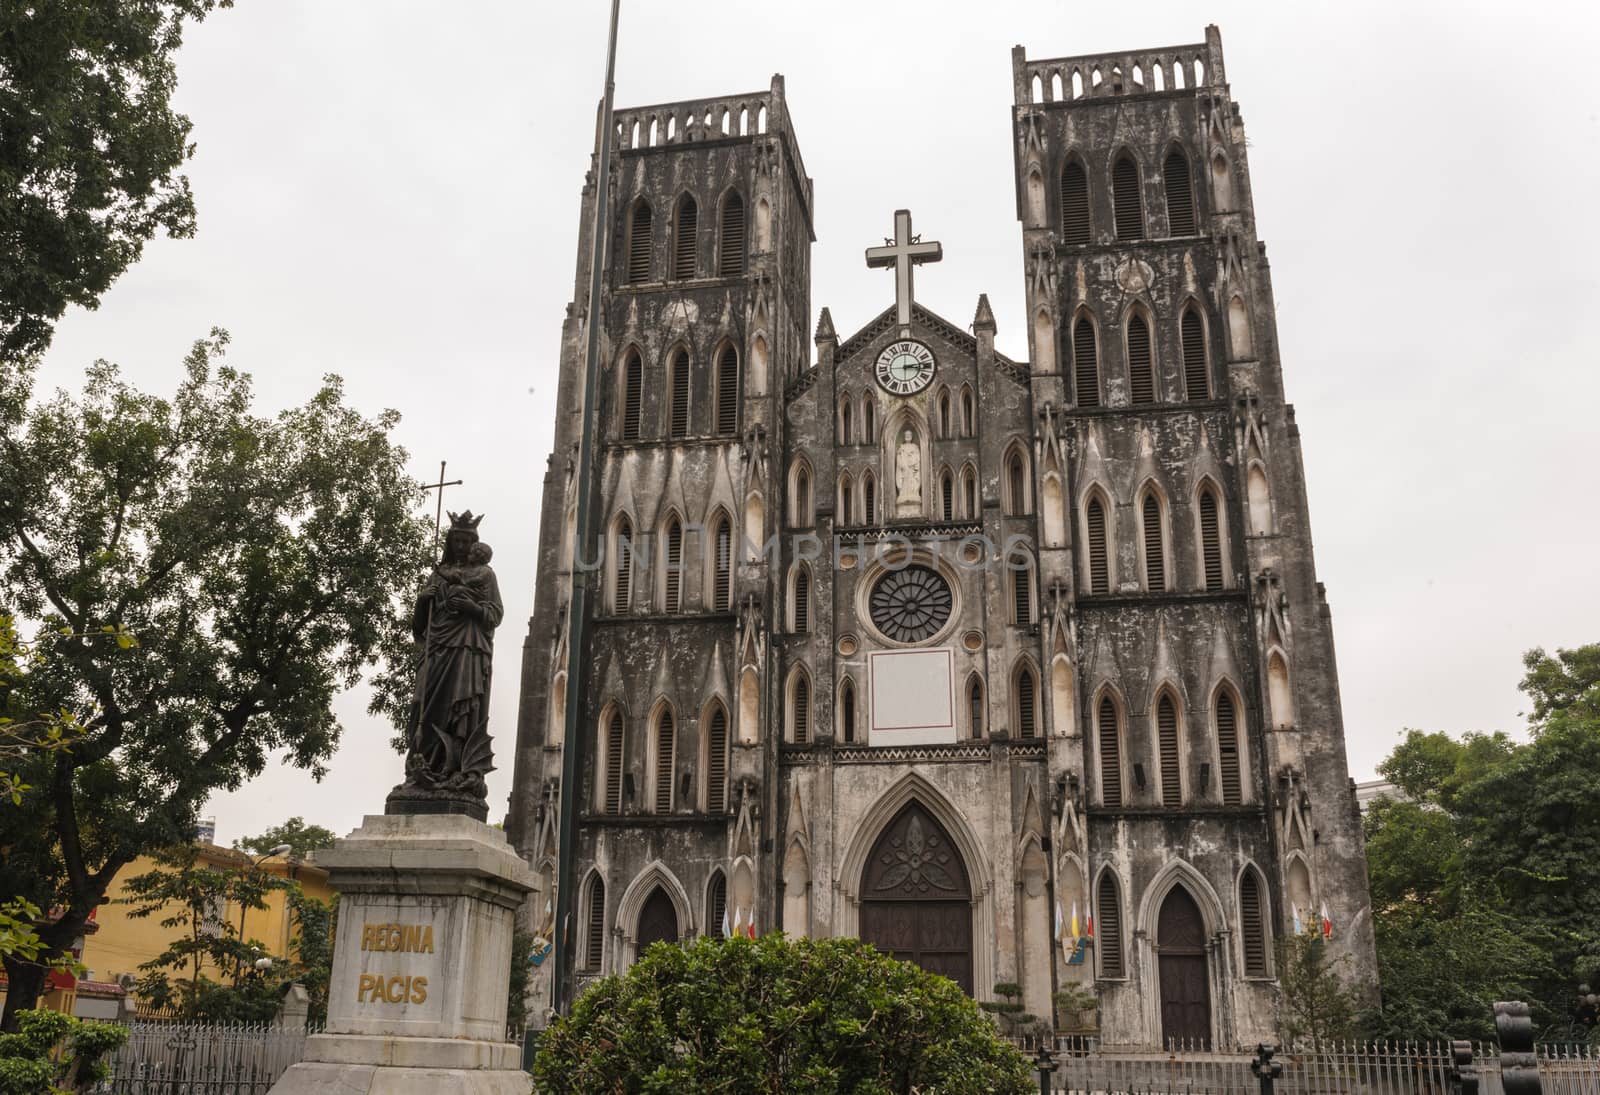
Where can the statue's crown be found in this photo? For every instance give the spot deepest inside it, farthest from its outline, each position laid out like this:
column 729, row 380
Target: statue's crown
column 465, row 521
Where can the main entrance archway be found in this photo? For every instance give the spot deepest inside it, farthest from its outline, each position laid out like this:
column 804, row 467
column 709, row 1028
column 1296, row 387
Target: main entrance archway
column 1181, row 961
column 658, row 920
column 916, row 901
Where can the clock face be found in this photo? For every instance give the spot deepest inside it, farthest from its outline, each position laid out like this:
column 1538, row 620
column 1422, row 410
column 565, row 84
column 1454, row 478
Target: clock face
column 905, row 367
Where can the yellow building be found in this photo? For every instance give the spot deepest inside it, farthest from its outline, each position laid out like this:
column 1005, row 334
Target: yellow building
column 122, row 942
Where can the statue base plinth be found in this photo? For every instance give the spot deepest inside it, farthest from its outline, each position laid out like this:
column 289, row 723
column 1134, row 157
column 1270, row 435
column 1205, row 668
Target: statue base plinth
column 406, row 799
column 421, row 964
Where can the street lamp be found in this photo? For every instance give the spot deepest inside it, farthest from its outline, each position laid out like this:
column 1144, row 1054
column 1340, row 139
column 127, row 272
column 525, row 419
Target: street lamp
column 1587, row 1012
column 255, row 865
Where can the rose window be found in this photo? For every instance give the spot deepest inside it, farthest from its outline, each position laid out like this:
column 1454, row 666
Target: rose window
column 911, row 604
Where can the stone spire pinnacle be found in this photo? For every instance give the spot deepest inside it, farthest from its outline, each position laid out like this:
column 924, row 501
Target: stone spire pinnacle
column 825, row 332
column 984, row 319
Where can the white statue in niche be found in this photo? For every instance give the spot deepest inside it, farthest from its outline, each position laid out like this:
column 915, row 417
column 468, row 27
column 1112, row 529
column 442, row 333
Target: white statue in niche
column 908, row 475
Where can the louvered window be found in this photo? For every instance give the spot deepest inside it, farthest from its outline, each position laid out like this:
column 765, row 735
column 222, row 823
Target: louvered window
column 869, row 498
column 1210, row 541
column 1180, row 195
column 717, row 906
column 1196, row 374
column 1027, row 703
column 632, row 396
column 868, row 421
column 728, row 392
column 594, row 945
column 1110, row 754
column 622, row 578
column 1021, row 592
column 801, row 710
column 1167, row 737
column 685, row 238
column 1016, row 485
column 1155, row 569
column 673, row 565
column 847, row 712
column 722, row 578
column 1099, row 569
column 639, row 225
column 802, row 601
column 802, row 500
column 1228, row 750
column 1085, row 364
column 717, row 764
column 1074, row 204
column 665, row 738
column 1126, row 200
column 969, row 493
column 1108, row 931
column 730, row 257
column 947, row 495
column 1141, row 373
column 680, row 394
column 1252, row 925
column 975, row 708
column 846, row 502
column 614, row 764
column 844, row 424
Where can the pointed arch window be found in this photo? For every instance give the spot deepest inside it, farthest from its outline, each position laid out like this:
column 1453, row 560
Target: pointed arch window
column 639, row 240
column 1108, row 730
column 1016, row 499
column 1180, row 194
column 801, row 605
column 685, row 238
column 1021, row 570
column 846, row 433
column 672, row 566
column 1196, row 371
column 1027, row 695
column 1126, row 199
column 947, row 495
column 632, row 396
column 730, row 255
column 969, row 415
column 1085, row 363
column 666, row 741
column 1170, row 754
column 678, row 422
column 945, row 427
column 800, row 500
column 1141, row 371
column 847, row 711
column 800, row 708
column 1253, row 923
column 1210, row 540
column 611, row 763
column 717, row 762
column 1074, row 204
column 595, row 940
column 1155, row 564
column 846, row 500
column 1099, row 563
column 869, row 497
column 727, row 399
column 969, row 493
column 975, row 706
column 622, row 567
column 1229, row 768
column 869, row 425
column 722, row 564
column 1108, row 900
column 716, row 905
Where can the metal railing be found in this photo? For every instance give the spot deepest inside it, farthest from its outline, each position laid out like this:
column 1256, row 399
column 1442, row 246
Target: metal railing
column 1083, row 1065
column 169, row 1058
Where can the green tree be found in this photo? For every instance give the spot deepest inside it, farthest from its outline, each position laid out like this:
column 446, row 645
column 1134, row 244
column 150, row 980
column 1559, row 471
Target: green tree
column 51, row 1053
column 312, row 966
column 1318, row 1005
column 522, row 942
column 776, row 1015
column 302, row 839
column 89, row 151
column 264, row 563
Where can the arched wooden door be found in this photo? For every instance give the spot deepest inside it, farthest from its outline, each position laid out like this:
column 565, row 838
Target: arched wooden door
column 658, row 920
column 1185, row 981
column 916, row 902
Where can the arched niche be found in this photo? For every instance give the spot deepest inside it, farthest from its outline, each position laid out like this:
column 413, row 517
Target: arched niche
column 1063, row 714
column 1044, row 343
column 796, row 891
column 1054, row 511
column 749, row 707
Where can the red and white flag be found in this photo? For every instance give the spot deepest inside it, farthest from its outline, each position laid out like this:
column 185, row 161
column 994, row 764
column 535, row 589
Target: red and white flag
column 1327, row 925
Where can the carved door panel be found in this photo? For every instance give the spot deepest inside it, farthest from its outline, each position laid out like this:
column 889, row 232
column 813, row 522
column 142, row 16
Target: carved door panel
column 916, row 900
column 658, row 920
column 1185, row 980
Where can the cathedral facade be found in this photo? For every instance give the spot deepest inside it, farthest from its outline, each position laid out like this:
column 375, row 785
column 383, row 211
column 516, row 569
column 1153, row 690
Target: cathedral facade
column 1017, row 669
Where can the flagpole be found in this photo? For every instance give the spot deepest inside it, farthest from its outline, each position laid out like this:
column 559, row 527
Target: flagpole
column 578, row 607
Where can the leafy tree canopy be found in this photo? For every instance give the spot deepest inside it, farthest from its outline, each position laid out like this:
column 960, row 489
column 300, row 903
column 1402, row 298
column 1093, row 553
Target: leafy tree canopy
column 776, row 1015
column 263, row 564
column 54, row 1054
column 1483, row 883
column 302, row 839
column 89, row 150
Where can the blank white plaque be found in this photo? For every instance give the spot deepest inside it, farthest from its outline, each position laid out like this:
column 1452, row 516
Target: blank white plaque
column 913, row 697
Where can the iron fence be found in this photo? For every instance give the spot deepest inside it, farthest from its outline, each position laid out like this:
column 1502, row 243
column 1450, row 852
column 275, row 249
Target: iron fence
column 168, row 1058
column 1084, row 1067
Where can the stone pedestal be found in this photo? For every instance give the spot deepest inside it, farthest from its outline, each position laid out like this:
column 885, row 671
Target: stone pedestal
column 421, row 962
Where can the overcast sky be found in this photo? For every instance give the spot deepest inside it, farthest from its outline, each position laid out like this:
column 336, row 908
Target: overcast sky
column 390, row 191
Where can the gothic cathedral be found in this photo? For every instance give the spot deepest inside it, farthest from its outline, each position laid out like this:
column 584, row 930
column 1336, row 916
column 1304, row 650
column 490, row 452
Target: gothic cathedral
column 1019, row 670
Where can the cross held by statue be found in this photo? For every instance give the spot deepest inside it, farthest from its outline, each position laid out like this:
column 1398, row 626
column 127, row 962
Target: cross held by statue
column 904, row 252
column 438, row 511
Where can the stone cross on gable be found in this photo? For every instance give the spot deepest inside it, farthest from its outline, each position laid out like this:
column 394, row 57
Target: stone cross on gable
column 903, row 252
